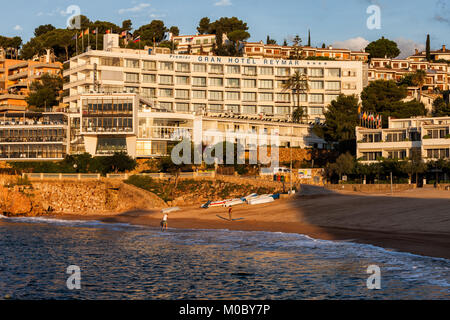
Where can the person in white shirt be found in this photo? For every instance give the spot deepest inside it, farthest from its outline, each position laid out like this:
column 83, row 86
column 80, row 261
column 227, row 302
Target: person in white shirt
column 164, row 222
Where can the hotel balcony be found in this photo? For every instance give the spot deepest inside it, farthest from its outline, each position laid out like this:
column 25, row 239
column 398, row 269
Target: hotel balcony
column 23, row 74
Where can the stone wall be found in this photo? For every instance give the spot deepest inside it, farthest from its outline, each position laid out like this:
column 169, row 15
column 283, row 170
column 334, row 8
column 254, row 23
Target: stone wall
column 371, row 188
column 94, row 197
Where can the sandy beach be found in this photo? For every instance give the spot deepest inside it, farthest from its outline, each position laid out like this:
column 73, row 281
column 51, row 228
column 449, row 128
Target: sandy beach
column 415, row 221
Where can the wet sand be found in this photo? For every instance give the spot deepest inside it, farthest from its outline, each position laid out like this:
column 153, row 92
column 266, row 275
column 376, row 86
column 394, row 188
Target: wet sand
column 415, row 221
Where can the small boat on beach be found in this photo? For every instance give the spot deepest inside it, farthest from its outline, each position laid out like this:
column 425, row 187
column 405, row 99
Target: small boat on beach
column 261, row 200
column 234, row 202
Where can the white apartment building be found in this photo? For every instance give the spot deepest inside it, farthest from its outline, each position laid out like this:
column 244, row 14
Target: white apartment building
column 429, row 137
column 188, row 83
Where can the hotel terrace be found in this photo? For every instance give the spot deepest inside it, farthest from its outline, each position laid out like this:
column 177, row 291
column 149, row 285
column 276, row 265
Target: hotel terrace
column 429, row 137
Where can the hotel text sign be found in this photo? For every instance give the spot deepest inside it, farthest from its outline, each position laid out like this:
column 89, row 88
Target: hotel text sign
column 246, row 61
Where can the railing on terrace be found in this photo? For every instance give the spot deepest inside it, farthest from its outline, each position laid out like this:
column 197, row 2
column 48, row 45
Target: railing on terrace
column 119, row 176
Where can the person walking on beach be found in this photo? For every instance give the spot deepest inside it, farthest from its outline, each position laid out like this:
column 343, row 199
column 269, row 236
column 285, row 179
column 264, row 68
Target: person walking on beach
column 164, row 222
column 230, row 211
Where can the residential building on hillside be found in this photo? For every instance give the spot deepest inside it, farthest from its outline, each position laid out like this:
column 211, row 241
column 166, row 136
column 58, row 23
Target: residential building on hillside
column 16, row 77
column 442, row 54
column 270, row 51
column 427, row 138
column 199, row 44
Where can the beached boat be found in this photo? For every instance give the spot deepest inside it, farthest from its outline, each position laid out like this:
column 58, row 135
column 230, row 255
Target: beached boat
column 253, row 195
column 234, row 202
column 261, row 200
column 211, row 204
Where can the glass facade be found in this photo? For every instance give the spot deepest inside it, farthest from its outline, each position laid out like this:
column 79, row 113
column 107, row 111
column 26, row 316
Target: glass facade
column 107, row 116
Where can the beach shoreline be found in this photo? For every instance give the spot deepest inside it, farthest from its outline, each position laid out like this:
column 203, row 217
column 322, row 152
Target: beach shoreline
column 411, row 221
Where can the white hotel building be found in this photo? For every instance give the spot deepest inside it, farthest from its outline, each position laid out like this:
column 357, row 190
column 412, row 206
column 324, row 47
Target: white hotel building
column 154, row 95
column 427, row 137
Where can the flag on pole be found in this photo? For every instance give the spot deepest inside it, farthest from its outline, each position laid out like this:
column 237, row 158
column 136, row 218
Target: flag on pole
column 137, row 39
column 86, row 32
column 108, row 31
column 81, row 35
column 94, row 31
column 123, row 34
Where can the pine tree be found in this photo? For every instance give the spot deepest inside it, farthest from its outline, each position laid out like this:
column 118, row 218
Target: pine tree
column 309, row 38
column 428, row 48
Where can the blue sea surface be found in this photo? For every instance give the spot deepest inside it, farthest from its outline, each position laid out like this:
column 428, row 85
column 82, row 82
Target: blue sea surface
column 120, row 261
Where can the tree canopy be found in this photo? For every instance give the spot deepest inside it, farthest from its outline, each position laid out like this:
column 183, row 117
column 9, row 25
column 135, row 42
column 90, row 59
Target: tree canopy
column 383, row 48
column 385, row 98
column 45, row 92
column 441, row 108
column 341, row 120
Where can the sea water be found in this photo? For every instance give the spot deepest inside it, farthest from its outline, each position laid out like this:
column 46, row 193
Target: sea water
column 120, row 261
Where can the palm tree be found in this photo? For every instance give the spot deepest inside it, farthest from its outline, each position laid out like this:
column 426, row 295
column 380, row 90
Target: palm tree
column 419, row 80
column 298, row 83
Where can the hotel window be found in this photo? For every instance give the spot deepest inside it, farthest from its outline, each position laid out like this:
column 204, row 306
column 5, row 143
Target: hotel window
column 331, row 97
column 232, row 107
column 199, row 81
column 165, row 80
column 165, row 106
column 149, row 65
column 181, row 94
column 266, row 84
column 132, row 64
column 438, row 133
column 249, row 96
column 283, row 97
column 316, row 72
column 283, row 110
column 316, row 85
column 283, row 72
column 300, row 70
column 144, row 148
column 148, row 78
column 248, row 83
column 111, row 62
column 166, row 93
column 132, row 77
column 234, row 69
column 182, row 107
column 266, row 96
column 166, row 65
column 198, row 94
column 266, row 109
column 397, row 154
column 334, row 73
column 182, row 80
column 215, row 108
column 131, row 89
column 200, row 68
column 233, row 96
column 216, row 95
column 199, row 107
column 280, row 84
column 266, row 71
column 233, row 83
column 148, row 92
column 333, row 85
column 371, row 156
column 316, row 98
column 249, row 109
column 216, row 82
column 183, row 67
column 205, row 41
column 250, row 71
column 437, row 153
column 349, row 86
column 316, row 111
column 216, row 68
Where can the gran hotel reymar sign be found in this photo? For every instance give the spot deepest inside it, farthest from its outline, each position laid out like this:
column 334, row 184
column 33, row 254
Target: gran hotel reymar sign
column 249, row 61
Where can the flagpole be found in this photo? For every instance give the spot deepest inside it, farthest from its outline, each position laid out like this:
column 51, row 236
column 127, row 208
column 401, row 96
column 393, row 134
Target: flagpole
column 76, row 41
column 96, row 38
column 89, row 37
